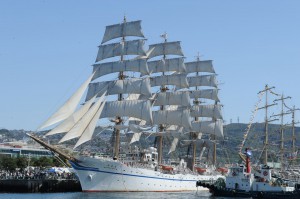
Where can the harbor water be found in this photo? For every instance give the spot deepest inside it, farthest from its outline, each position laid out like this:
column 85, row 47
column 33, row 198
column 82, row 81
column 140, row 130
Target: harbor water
column 129, row 195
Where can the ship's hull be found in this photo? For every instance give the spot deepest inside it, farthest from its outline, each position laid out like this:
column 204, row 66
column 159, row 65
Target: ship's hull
column 228, row 192
column 97, row 175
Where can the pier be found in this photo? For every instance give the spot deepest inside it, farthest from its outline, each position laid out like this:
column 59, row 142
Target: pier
column 39, row 186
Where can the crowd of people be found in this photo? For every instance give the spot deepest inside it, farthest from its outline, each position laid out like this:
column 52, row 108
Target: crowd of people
column 36, row 173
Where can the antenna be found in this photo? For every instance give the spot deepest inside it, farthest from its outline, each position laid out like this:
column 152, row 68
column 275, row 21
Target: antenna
column 198, row 56
column 164, row 36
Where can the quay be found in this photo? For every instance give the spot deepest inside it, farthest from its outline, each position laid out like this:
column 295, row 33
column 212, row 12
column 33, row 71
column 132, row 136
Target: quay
column 39, row 185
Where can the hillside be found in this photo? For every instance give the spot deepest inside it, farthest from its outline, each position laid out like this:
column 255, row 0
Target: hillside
column 227, row 149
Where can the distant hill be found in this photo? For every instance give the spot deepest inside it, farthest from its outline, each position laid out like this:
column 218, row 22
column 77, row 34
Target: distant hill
column 234, row 135
column 227, row 149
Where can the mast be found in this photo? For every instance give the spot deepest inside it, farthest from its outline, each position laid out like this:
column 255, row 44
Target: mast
column 163, row 88
column 293, row 130
column 171, row 74
column 120, row 98
column 282, row 128
column 201, row 110
column 120, row 107
column 266, row 90
column 193, row 134
column 292, row 111
column 215, row 145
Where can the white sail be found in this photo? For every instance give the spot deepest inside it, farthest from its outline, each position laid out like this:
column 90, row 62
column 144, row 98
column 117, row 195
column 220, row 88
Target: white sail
column 167, row 48
column 203, row 80
column 173, row 145
column 135, row 137
column 134, row 47
column 213, row 111
column 80, row 126
column 132, row 28
column 136, row 121
column 89, row 130
column 170, row 98
column 208, row 127
column 68, row 124
column 140, row 109
column 68, row 108
column 144, row 56
column 178, row 80
column 211, row 94
column 134, row 85
column 170, row 117
column 164, row 65
column 133, row 97
column 136, row 65
column 199, row 66
column 202, row 152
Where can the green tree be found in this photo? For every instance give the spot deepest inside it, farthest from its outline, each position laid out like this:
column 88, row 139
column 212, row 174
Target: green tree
column 8, row 163
column 45, row 161
column 21, row 162
column 56, row 162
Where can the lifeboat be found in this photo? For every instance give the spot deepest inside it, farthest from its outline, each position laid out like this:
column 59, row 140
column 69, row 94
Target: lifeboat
column 222, row 170
column 200, row 170
column 166, row 168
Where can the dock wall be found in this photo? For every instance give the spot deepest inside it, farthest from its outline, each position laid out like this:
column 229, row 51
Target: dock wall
column 39, row 186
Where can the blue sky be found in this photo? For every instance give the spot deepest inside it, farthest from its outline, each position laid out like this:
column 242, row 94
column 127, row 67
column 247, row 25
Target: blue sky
column 47, row 48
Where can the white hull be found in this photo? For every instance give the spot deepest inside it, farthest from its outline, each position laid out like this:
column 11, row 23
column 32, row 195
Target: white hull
column 98, row 175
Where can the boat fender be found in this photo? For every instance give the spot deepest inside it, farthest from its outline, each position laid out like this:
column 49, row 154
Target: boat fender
column 90, row 177
column 233, row 192
column 260, row 195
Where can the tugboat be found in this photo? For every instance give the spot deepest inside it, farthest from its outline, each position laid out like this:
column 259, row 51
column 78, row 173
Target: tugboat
column 240, row 182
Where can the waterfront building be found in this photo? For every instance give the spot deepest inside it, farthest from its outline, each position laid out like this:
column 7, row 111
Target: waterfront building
column 17, row 150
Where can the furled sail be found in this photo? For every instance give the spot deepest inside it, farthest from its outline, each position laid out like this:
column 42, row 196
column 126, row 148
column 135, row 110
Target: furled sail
column 140, row 109
column 167, row 48
column 163, row 65
column 133, row 85
column 170, row 98
column 133, row 47
column 170, row 117
column 68, row 108
column 80, row 126
column 208, row 127
column 213, row 111
column 200, row 66
column 176, row 80
column 67, row 124
column 132, row 28
column 136, row 65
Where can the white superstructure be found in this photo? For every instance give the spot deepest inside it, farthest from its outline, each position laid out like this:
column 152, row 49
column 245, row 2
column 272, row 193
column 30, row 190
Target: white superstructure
column 263, row 181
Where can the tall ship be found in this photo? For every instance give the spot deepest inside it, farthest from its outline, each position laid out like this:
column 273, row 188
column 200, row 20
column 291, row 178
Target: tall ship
column 152, row 93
